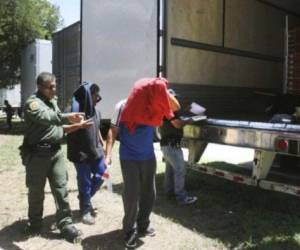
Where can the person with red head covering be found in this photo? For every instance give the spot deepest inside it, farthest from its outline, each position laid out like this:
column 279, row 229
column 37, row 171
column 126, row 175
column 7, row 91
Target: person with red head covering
column 147, row 105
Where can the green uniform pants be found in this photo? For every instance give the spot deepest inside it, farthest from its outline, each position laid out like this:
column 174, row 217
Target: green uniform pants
column 44, row 165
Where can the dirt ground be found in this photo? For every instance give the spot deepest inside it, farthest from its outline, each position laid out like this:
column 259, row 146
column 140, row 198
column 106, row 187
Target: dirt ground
column 227, row 215
column 106, row 234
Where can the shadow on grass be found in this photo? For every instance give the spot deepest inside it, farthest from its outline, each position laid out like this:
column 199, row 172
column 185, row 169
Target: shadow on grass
column 17, row 127
column 239, row 216
column 12, row 234
column 108, row 241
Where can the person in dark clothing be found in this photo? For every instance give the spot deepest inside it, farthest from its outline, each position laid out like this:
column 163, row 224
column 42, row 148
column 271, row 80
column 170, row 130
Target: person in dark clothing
column 145, row 108
column 85, row 150
column 9, row 113
column 171, row 134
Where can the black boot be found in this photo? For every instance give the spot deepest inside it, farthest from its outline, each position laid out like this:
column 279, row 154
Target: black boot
column 33, row 229
column 71, row 233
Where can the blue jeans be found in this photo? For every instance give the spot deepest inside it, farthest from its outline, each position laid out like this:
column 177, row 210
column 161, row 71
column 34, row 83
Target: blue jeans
column 175, row 172
column 89, row 180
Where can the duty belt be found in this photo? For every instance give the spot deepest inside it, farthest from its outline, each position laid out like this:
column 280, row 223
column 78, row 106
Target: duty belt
column 47, row 146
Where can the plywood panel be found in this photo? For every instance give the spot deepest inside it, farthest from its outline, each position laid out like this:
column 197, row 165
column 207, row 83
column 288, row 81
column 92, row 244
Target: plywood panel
column 209, row 68
column 196, row 20
column 253, row 26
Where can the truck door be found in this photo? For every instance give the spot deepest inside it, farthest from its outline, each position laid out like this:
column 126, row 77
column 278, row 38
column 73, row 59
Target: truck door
column 119, row 46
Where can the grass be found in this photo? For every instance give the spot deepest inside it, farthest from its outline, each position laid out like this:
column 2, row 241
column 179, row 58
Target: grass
column 9, row 154
column 238, row 216
column 17, row 128
column 244, row 217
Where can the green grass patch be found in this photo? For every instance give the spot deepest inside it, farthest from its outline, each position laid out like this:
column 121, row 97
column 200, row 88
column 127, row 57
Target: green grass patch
column 9, row 152
column 242, row 217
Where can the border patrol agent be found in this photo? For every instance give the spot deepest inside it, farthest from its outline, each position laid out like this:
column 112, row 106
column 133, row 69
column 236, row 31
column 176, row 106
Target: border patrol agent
column 42, row 155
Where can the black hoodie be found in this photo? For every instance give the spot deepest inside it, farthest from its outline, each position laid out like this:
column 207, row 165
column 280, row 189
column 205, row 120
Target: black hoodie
column 84, row 144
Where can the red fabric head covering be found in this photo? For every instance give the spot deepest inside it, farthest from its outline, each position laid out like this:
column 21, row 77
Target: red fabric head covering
column 147, row 104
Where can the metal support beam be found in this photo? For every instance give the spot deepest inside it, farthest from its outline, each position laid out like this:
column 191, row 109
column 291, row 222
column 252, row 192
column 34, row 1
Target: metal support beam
column 219, row 49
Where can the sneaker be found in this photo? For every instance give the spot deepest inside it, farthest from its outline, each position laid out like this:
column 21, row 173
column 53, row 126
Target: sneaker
column 130, row 240
column 71, row 233
column 94, row 212
column 53, row 226
column 188, row 200
column 88, row 219
column 148, row 232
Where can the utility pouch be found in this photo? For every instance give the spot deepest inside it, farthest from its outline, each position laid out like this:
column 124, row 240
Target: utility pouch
column 25, row 153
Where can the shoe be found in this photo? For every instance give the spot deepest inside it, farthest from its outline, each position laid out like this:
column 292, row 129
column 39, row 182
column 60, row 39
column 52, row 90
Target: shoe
column 148, row 232
column 71, row 233
column 33, row 230
column 53, row 226
column 130, row 239
column 88, row 219
column 94, row 212
column 188, row 200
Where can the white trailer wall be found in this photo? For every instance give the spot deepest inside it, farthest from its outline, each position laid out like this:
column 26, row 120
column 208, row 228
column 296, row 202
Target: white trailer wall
column 119, row 46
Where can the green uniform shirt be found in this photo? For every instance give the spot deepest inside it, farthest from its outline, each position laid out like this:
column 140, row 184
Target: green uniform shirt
column 43, row 120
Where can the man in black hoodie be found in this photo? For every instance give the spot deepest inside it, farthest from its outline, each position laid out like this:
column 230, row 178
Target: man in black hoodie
column 85, row 149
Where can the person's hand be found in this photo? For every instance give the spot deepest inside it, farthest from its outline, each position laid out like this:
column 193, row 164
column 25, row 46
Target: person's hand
column 108, row 160
column 70, row 128
column 75, row 117
column 86, row 123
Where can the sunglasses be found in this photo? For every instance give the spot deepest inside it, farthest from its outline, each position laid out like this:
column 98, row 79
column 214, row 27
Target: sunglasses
column 51, row 87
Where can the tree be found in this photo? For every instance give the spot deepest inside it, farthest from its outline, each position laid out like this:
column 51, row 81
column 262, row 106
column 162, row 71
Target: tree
column 22, row 21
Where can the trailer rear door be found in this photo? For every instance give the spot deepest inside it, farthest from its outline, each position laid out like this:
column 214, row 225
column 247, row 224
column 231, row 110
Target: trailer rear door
column 119, row 46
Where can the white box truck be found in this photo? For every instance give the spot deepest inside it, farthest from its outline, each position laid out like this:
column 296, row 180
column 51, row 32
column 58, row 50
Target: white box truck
column 12, row 94
column 231, row 56
column 36, row 58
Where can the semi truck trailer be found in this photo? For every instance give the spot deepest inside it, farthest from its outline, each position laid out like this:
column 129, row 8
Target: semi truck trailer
column 238, row 59
column 66, row 62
